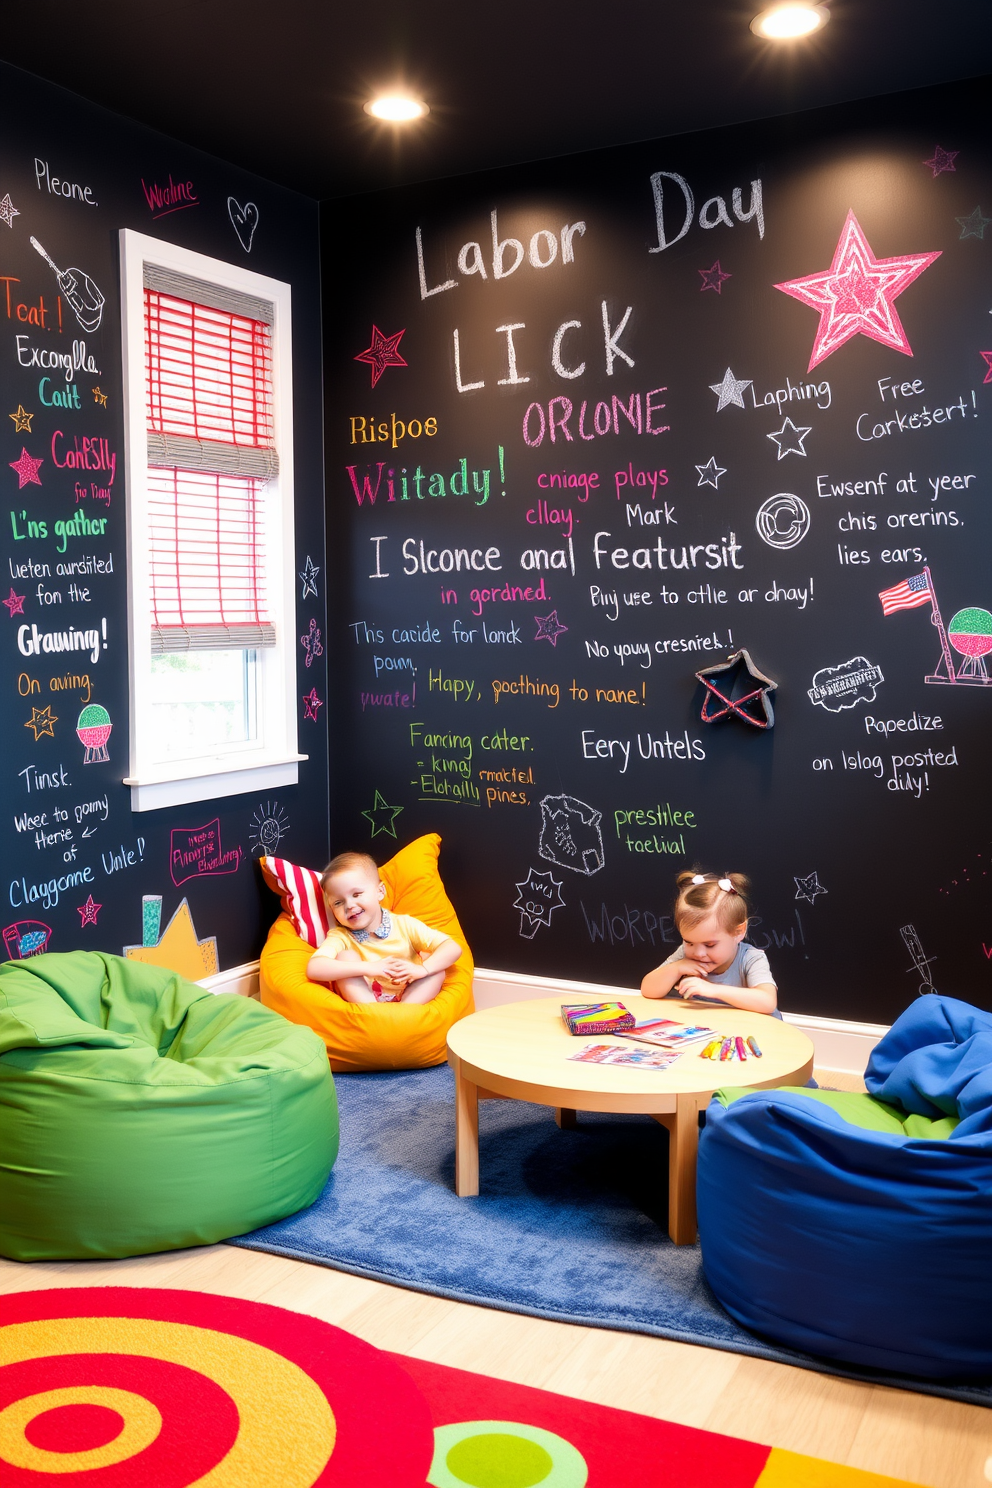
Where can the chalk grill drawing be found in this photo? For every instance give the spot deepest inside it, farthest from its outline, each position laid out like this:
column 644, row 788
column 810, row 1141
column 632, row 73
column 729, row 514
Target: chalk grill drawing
column 921, row 962
column 26, row 938
column 807, row 888
column 844, row 686
column 382, row 352
column 244, row 220
column 82, row 296
column 970, row 632
column 571, row 835
column 855, row 295
column 93, row 729
column 538, row 896
column 269, row 826
column 783, row 520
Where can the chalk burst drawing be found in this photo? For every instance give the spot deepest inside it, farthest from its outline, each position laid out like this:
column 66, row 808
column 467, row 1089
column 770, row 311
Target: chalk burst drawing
column 570, row 834
column 538, row 896
column 921, row 961
column 783, row 520
column 855, row 296
column 269, row 825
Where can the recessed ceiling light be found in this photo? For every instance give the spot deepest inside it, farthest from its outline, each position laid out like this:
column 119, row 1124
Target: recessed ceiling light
column 397, row 108
column 790, row 21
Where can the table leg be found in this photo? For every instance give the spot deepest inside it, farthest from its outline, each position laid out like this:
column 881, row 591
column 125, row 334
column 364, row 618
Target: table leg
column 565, row 1118
column 466, row 1135
column 683, row 1144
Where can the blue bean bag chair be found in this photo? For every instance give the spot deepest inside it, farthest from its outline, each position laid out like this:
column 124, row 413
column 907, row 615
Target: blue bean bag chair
column 859, row 1227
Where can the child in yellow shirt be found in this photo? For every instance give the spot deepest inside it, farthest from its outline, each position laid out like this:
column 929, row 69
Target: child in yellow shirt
column 373, row 954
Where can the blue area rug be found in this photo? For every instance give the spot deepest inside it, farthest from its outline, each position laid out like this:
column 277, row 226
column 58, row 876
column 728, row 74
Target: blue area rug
column 569, row 1225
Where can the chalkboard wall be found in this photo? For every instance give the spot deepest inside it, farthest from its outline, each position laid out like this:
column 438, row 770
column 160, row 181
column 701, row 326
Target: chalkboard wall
column 596, row 424
column 78, row 862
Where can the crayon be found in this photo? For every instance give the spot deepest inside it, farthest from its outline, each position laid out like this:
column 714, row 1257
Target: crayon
column 741, row 1050
column 712, row 1050
column 727, row 1049
column 752, row 1044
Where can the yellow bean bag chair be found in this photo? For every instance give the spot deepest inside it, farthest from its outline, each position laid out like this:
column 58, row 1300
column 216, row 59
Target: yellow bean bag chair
column 376, row 1035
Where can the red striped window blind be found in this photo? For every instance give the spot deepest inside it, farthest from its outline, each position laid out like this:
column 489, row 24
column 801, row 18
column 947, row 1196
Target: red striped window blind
column 209, row 372
column 206, row 559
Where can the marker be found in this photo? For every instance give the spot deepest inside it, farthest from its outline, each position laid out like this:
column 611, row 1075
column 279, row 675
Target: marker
column 741, row 1051
column 752, row 1044
column 727, row 1049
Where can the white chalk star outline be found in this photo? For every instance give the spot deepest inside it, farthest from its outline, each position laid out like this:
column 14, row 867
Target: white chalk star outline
column 789, row 440
column 8, row 211
column 808, row 888
column 730, row 390
column 309, row 577
column 710, row 473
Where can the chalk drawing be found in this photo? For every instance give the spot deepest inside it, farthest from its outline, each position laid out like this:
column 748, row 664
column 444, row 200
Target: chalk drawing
column 783, row 520
column 82, row 296
column 88, row 912
column 840, row 687
column 970, row 632
column 713, row 278
column 807, row 888
column 537, row 898
column 27, row 468
column 15, row 603
column 8, row 211
column 382, row 352
column 710, row 473
column 99, row 396
column 197, row 852
column 311, row 643
column 42, row 722
column 987, row 355
column 942, row 160
column 730, row 390
column 921, row 961
column 26, row 938
column 382, row 816
column 549, row 628
column 179, row 949
column 571, row 835
column 731, row 691
column 244, row 220
column 790, row 440
column 93, row 729
column 309, row 577
column 22, row 420
column 269, row 826
column 311, row 702
column 974, row 225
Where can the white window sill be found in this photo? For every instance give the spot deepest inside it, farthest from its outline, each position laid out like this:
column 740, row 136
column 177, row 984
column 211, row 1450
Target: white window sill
column 205, row 780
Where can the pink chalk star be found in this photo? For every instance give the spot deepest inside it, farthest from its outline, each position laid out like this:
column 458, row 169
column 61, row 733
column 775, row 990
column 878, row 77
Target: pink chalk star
column 15, row 604
column 549, row 628
column 27, row 470
column 713, row 278
column 311, row 702
column 943, row 160
column 382, row 353
column 855, row 295
column 987, row 378
column 88, row 912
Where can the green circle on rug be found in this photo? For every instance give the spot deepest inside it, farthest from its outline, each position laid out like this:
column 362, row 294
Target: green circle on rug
column 504, row 1454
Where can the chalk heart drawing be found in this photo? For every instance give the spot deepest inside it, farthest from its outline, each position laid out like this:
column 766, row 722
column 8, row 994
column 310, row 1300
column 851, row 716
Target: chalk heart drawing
column 783, row 520
column 571, row 835
column 244, row 220
column 836, row 688
column 537, row 897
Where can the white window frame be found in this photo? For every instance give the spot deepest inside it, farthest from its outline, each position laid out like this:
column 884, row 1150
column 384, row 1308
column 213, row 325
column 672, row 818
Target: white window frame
column 274, row 760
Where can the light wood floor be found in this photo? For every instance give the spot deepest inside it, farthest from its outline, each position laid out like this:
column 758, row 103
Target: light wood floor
column 934, row 1442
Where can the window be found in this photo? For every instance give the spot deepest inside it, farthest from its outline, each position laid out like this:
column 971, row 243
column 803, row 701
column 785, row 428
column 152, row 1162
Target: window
column 207, row 371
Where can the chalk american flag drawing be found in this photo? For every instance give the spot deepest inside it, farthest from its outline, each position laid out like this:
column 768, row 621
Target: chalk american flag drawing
column 907, row 595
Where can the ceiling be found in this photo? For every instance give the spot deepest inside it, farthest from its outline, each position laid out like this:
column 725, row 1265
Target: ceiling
column 278, row 88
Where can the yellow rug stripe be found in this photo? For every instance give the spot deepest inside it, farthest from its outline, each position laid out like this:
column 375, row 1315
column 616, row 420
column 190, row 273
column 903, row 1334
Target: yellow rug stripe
column 791, row 1470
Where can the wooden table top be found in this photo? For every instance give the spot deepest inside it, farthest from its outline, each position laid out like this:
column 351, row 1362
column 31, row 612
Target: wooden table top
column 521, row 1049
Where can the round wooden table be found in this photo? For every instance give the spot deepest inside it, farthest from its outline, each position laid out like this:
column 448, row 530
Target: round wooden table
column 520, row 1052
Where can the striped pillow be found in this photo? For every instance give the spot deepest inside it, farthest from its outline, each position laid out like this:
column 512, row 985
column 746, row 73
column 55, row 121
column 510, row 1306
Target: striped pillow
column 301, row 898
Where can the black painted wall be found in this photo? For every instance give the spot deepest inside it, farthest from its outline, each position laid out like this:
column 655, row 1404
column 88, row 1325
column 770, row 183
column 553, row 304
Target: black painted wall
column 85, row 841
column 514, row 658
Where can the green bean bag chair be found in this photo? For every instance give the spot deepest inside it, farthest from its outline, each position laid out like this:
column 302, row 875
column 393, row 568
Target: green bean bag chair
column 140, row 1112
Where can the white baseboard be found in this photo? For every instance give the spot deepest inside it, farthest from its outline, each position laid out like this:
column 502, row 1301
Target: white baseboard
column 840, row 1045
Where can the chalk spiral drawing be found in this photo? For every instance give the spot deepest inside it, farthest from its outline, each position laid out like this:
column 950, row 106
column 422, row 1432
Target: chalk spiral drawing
column 571, row 835
column 269, row 825
column 839, row 687
column 244, row 220
column 82, row 296
column 921, row 961
column 538, row 896
column 783, row 520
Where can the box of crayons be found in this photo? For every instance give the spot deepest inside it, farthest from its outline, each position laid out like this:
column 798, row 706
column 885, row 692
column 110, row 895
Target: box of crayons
column 583, row 1018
